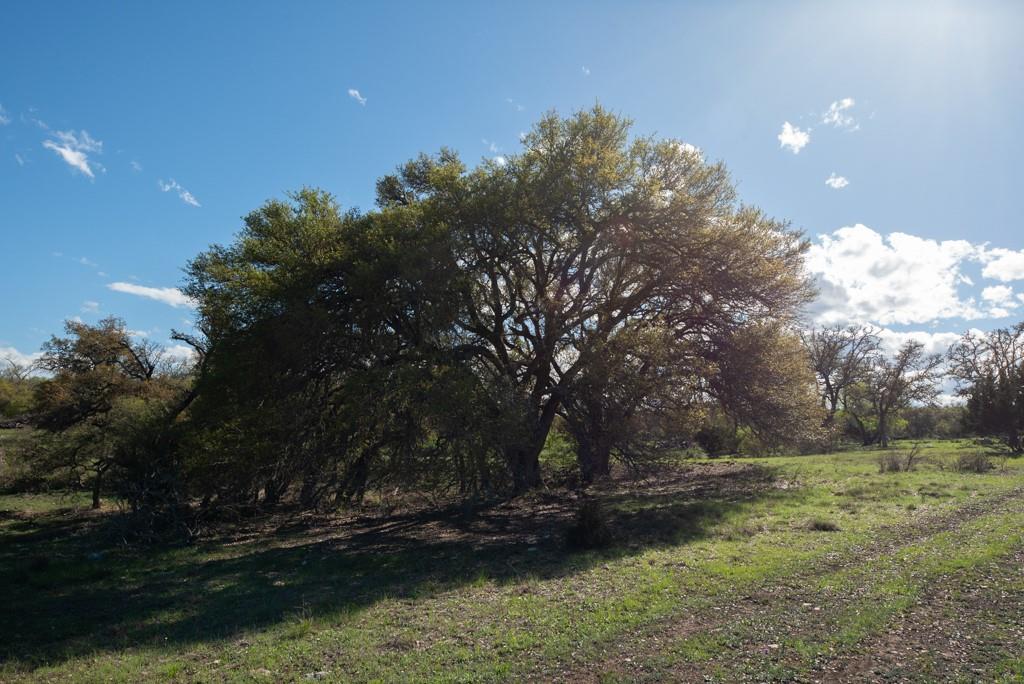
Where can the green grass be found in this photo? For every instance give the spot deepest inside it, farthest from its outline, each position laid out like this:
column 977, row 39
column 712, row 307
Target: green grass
column 717, row 573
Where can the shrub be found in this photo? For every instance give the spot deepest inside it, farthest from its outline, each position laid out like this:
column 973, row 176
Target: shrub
column 822, row 525
column 973, row 462
column 591, row 530
column 898, row 462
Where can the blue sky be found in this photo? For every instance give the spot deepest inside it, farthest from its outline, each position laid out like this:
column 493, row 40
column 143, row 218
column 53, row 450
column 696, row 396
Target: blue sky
column 133, row 135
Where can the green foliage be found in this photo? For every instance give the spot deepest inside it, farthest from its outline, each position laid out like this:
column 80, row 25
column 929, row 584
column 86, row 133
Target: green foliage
column 432, row 342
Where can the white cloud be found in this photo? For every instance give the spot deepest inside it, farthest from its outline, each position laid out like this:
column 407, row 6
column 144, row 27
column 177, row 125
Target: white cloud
column 586, row 71
column 998, row 294
column 934, row 343
column 354, row 94
column 180, row 353
column 499, row 160
column 836, row 182
column 136, row 166
column 20, row 358
column 168, row 295
column 4, row 119
column 515, row 104
column 838, row 115
column 863, row 276
column 186, row 196
column 18, row 158
column 793, row 138
column 1002, row 264
column 90, row 306
column 74, row 149
column 491, row 145
column 85, row 261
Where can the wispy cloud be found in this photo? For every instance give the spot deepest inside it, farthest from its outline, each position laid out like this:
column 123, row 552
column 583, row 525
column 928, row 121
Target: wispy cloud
column 136, row 166
column 515, row 104
column 838, row 115
column 4, row 118
column 836, row 182
column 354, row 94
column 85, row 261
column 18, row 158
column 793, row 138
column 74, row 149
column 586, row 71
column 186, row 196
column 90, row 306
column 171, row 296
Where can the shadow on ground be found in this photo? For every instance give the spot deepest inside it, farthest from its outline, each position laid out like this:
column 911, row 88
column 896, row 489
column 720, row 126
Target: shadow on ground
column 68, row 589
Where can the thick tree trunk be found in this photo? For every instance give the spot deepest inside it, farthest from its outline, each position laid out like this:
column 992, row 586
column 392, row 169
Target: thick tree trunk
column 883, row 431
column 524, row 458
column 595, row 459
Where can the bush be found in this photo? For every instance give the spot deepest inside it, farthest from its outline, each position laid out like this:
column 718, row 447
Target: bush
column 822, row 525
column 898, row 462
column 591, row 530
column 973, row 462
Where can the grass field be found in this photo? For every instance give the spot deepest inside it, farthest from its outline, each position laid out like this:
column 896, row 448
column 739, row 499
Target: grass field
column 813, row 568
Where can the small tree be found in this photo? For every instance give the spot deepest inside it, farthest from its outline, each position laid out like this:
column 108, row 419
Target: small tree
column 892, row 384
column 841, row 358
column 104, row 393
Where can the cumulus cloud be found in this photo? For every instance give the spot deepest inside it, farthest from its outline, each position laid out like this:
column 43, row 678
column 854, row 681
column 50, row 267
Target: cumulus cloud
column 838, row 115
column 899, row 278
column 354, row 94
column 186, row 196
column 180, row 353
column 10, row 354
column 1002, row 264
column 836, row 182
column 74, row 149
column 168, row 295
column 998, row 294
column 934, row 342
column 793, row 138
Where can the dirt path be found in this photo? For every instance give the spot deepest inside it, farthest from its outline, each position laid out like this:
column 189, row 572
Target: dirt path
column 751, row 626
column 957, row 631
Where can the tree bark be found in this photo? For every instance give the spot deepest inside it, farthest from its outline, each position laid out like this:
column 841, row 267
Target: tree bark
column 594, row 458
column 96, row 485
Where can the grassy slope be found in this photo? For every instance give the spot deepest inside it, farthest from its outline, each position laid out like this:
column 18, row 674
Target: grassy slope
column 718, row 573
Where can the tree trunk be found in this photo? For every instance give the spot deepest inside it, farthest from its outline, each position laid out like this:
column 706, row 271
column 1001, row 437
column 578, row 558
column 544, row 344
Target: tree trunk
column 594, row 455
column 883, row 431
column 524, row 458
column 96, row 485
column 595, row 461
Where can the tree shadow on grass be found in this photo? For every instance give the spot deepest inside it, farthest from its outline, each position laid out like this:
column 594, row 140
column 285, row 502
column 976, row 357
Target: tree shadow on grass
column 68, row 590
